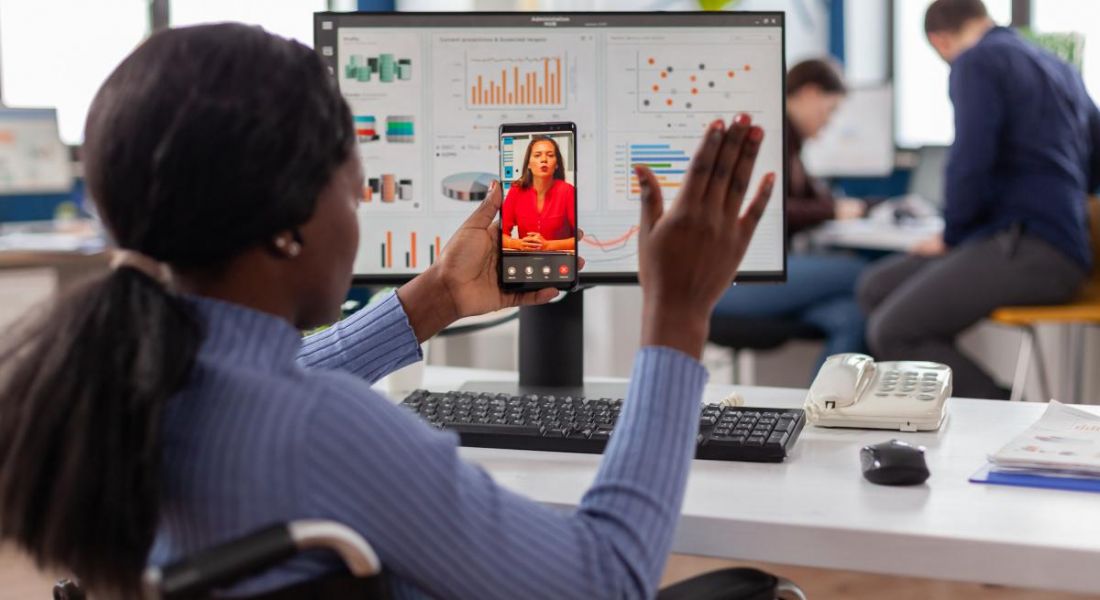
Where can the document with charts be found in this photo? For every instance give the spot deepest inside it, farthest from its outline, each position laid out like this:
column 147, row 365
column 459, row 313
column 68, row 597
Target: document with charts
column 1066, row 440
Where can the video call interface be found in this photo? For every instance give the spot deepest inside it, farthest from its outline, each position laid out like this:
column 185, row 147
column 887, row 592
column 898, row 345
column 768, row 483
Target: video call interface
column 429, row 91
column 538, row 245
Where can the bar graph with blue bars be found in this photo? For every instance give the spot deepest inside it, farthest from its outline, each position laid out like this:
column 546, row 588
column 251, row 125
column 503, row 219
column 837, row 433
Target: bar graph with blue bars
column 669, row 164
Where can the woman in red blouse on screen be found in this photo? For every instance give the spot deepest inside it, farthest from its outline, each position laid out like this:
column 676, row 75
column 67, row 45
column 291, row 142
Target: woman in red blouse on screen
column 540, row 203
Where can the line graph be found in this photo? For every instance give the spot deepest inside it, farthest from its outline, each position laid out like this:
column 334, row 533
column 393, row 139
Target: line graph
column 613, row 244
column 612, row 247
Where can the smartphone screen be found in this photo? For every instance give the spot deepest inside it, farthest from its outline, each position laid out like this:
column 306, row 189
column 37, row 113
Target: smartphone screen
column 538, row 218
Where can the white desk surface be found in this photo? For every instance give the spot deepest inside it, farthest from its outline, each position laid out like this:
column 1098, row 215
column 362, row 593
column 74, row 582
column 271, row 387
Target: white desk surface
column 869, row 234
column 816, row 509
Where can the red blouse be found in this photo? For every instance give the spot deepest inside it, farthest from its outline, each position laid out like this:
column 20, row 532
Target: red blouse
column 558, row 218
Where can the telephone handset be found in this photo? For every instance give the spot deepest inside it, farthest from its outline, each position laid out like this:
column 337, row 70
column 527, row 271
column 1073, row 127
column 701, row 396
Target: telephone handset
column 852, row 390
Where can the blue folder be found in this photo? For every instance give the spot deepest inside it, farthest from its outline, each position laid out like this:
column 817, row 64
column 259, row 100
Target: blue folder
column 1077, row 484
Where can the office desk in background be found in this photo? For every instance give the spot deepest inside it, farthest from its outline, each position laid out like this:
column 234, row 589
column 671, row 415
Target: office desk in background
column 816, row 509
column 36, row 261
column 76, row 246
column 870, row 234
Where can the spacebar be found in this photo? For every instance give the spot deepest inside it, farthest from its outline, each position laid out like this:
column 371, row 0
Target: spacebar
column 480, row 429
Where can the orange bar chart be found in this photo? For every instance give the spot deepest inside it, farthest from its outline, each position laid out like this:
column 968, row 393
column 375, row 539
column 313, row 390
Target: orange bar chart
column 521, row 82
column 411, row 257
column 387, row 251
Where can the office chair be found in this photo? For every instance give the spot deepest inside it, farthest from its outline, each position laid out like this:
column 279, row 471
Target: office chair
column 1082, row 312
column 742, row 334
column 197, row 576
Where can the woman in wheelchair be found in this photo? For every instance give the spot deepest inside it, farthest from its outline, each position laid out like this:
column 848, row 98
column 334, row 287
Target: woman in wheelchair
column 172, row 404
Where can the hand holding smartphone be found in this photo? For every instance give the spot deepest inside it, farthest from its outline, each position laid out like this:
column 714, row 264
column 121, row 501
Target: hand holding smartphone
column 538, row 217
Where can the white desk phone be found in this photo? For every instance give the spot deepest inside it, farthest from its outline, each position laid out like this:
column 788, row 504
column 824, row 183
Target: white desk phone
column 851, row 390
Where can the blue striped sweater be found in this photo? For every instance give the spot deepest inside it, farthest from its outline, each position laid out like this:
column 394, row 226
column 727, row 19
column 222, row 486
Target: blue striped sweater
column 272, row 428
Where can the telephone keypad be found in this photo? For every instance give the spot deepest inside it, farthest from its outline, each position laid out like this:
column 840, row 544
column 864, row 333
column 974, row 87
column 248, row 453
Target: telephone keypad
column 903, row 384
column 909, row 381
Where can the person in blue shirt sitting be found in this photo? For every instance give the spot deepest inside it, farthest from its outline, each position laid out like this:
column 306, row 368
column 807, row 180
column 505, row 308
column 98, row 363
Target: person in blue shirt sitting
column 1025, row 156
column 172, row 404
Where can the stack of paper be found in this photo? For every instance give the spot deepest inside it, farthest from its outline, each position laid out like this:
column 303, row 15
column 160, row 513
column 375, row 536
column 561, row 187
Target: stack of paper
column 1061, row 450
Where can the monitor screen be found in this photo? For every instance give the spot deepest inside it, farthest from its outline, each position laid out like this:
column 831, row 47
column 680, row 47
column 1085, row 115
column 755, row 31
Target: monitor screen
column 927, row 178
column 429, row 91
column 33, row 160
column 858, row 140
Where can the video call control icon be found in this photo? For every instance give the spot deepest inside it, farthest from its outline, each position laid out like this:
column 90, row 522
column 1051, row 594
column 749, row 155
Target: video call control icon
column 511, row 271
column 529, row 270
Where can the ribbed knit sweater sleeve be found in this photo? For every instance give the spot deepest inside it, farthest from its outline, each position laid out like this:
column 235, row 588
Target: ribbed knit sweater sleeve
column 444, row 527
column 371, row 343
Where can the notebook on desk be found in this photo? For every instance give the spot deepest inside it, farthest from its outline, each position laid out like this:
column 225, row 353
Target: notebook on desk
column 1059, row 451
column 999, row 477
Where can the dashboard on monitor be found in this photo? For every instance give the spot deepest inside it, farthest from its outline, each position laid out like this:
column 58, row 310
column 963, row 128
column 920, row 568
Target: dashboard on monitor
column 428, row 92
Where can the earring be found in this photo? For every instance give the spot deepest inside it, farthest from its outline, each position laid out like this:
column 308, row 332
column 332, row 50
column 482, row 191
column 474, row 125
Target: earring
column 291, row 248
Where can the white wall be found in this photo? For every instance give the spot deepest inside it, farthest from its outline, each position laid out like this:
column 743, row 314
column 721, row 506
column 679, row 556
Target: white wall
column 866, row 42
column 924, row 115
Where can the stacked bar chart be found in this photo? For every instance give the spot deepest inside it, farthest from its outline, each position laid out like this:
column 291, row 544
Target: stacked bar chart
column 503, row 83
column 366, row 128
column 384, row 68
column 399, row 129
column 667, row 163
column 409, row 257
column 388, row 188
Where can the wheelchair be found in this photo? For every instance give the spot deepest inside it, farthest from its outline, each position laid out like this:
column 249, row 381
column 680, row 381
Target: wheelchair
column 198, row 576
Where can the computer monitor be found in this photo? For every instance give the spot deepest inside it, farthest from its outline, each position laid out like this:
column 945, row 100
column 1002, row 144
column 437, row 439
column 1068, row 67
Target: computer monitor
column 859, row 139
column 428, row 92
column 927, row 179
column 33, row 160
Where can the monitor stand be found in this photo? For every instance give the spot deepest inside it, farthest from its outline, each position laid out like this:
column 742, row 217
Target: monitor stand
column 551, row 354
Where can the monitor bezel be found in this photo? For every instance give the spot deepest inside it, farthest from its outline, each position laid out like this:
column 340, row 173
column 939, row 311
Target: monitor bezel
column 476, row 18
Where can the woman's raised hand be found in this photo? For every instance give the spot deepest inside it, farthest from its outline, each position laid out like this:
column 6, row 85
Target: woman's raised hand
column 689, row 254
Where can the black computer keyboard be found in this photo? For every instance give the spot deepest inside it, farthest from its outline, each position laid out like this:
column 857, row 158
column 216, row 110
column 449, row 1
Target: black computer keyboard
column 568, row 424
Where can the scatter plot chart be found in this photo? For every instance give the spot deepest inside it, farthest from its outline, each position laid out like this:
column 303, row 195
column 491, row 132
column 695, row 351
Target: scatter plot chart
column 668, row 83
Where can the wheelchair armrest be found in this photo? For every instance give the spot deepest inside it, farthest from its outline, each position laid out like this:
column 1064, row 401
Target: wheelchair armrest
column 257, row 551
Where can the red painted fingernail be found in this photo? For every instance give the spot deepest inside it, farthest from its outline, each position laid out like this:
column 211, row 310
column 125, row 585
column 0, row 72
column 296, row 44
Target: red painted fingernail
column 717, row 125
column 756, row 134
column 744, row 119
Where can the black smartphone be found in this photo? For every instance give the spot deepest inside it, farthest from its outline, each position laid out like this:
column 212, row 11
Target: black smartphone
column 538, row 218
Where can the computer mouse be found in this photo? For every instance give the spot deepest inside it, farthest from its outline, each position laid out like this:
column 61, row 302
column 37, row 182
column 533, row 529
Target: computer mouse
column 894, row 463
